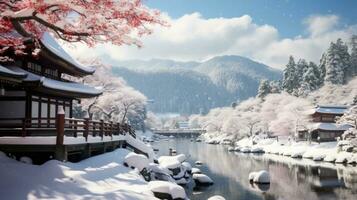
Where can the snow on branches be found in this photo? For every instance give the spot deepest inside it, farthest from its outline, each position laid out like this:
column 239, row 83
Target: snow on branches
column 90, row 21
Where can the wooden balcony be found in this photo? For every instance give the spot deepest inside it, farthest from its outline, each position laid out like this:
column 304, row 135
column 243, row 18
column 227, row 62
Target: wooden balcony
column 21, row 136
column 72, row 127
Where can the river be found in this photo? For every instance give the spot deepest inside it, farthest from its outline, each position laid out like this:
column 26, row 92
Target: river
column 290, row 178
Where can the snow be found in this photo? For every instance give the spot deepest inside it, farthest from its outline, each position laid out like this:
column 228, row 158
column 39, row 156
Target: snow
column 172, row 162
column 202, row 179
column 137, row 160
column 99, row 177
column 196, row 170
column 259, row 177
column 198, row 162
column 330, row 126
column 172, row 189
column 51, row 140
column 188, row 166
column 25, row 160
column 216, row 197
column 8, row 72
column 58, row 85
column 51, row 44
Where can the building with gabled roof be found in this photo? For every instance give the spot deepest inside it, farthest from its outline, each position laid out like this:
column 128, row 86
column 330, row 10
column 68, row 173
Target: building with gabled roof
column 36, row 114
column 323, row 127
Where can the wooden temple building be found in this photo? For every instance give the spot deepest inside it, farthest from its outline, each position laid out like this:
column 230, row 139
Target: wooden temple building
column 323, row 127
column 36, row 116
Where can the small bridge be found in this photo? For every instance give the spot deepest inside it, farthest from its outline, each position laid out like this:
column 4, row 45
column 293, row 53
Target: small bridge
column 179, row 132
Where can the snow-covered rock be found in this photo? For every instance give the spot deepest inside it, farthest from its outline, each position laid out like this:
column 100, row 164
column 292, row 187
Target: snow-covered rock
column 245, row 150
column 136, row 160
column 216, row 197
column 343, row 157
column 251, row 176
column 261, row 177
column 230, row 148
column 237, row 149
column 172, row 162
column 318, row 157
column 167, row 190
column 202, row 179
column 188, row 166
column 257, row 150
column 26, row 160
column 198, row 162
column 196, row 171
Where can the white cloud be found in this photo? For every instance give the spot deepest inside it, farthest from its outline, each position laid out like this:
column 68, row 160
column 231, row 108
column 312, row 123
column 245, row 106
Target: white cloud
column 192, row 37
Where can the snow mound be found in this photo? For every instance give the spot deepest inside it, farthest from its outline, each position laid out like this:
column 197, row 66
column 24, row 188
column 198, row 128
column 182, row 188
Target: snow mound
column 26, row 160
column 216, row 197
column 202, row 179
column 188, row 166
column 231, row 149
column 172, row 162
column 198, row 162
column 136, row 160
column 260, row 177
column 196, row 171
column 162, row 189
column 245, row 150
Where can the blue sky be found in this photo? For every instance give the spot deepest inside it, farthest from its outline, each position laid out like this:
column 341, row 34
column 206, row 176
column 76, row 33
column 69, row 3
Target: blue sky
column 286, row 15
column 267, row 31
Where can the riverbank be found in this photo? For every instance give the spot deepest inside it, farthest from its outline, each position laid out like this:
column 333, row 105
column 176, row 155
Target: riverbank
column 99, row 177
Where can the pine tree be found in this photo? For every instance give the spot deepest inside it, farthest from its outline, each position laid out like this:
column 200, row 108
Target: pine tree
column 264, row 88
column 310, row 80
column 334, row 64
column 354, row 54
column 275, row 86
column 290, row 80
column 345, row 60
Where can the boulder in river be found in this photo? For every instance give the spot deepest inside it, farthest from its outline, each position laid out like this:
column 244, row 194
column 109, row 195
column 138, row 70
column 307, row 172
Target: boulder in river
column 261, row 177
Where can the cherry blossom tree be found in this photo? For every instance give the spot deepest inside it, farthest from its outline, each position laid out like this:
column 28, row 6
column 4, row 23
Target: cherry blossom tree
column 89, row 21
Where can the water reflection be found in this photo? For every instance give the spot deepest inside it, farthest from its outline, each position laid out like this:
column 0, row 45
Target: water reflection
column 290, row 178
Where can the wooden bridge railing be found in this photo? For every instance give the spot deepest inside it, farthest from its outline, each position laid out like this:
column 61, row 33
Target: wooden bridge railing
column 71, row 127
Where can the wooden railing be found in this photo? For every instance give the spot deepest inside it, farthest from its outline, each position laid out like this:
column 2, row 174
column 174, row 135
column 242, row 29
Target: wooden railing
column 71, row 127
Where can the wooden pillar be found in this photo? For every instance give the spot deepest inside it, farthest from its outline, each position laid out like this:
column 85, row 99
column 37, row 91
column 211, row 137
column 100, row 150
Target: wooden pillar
column 111, row 129
column 61, row 152
column 24, row 125
column 101, row 128
column 86, row 127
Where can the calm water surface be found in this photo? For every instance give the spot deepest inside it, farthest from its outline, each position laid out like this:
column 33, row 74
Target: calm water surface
column 290, row 178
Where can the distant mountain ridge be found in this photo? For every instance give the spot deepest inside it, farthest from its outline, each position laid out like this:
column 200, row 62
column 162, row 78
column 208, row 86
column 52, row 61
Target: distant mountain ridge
column 193, row 87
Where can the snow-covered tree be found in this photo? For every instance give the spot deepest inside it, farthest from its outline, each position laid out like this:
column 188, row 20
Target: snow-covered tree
column 119, row 102
column 264, row 88
column 290, row 79
column 337, row 63
column 310, row 80
column 90, row 22
column 354, row 54
column 350, row 117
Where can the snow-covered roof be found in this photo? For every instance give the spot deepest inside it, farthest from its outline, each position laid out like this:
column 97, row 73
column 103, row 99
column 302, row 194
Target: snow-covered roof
column 329, row 109
column 330, row 127
column 52, row 45
column 4, row 71
column 72, row 87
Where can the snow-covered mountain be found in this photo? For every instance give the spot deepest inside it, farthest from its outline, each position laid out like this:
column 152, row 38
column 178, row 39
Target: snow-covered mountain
column 192, row 87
